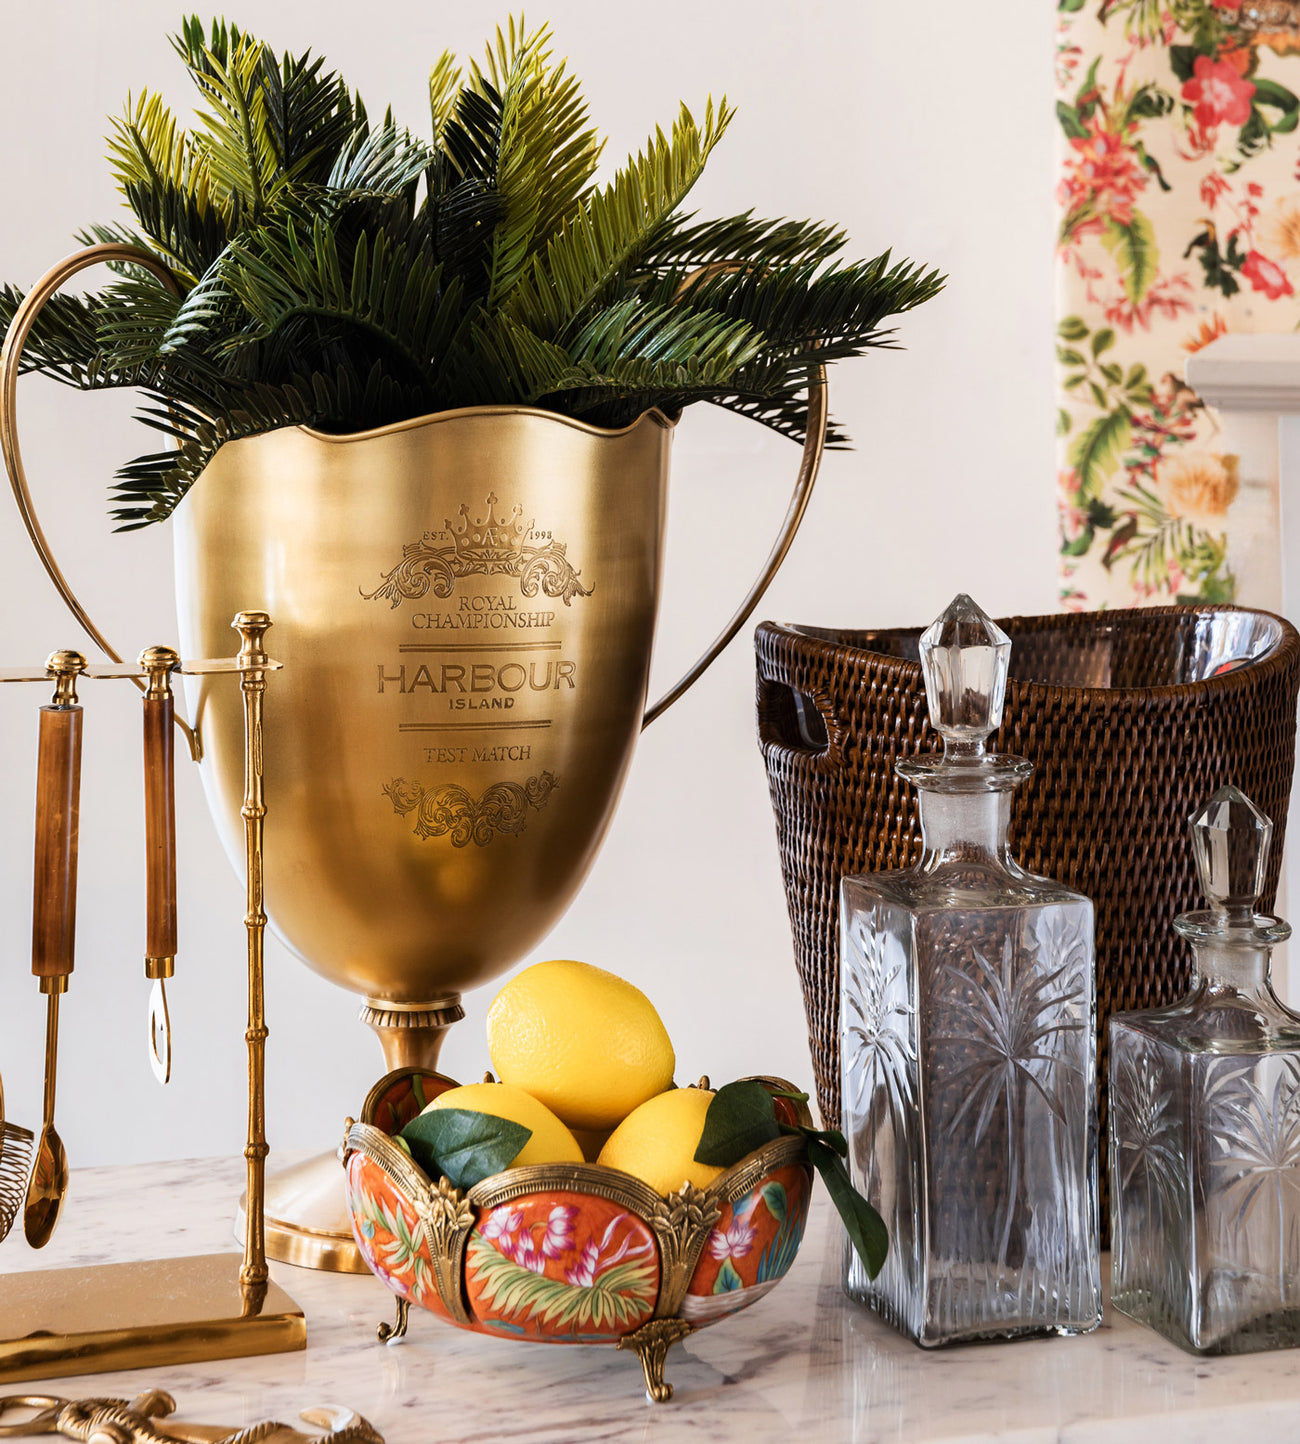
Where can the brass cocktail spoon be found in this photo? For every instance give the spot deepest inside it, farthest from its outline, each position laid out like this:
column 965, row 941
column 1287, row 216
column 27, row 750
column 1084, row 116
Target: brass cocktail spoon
column 54, row 917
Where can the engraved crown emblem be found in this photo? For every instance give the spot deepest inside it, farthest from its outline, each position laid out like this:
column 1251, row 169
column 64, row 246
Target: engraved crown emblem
column 493, row 546
column 500, row 537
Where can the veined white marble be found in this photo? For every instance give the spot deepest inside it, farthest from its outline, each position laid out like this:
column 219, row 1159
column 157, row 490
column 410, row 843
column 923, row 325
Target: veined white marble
column 803, row 1364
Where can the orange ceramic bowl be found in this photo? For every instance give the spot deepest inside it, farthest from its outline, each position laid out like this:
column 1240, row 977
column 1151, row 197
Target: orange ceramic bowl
column 565, row 1253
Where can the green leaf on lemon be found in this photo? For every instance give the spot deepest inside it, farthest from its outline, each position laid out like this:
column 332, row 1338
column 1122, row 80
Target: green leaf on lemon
column 741, row 1118
column 864, row 1226
column 463, row 1146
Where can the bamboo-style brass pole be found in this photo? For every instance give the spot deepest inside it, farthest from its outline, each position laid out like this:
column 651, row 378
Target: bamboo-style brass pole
column 253, row 1276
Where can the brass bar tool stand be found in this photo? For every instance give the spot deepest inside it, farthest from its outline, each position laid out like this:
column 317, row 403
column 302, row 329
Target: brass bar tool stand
column 179, row 1310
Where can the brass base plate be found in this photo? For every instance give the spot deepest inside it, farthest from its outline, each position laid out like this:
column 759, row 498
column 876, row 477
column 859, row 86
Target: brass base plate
column 56, row 1322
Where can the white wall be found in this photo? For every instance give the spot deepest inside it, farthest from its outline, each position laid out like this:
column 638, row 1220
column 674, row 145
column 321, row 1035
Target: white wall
column 929, row 129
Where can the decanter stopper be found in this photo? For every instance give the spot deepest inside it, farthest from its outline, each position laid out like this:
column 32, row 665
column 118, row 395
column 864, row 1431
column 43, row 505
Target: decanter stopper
column 965, row 656
column 1230, row 841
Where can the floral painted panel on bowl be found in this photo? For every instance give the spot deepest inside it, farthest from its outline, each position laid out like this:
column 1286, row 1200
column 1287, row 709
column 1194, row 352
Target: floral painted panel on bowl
column 751, row 1247
column 561, row 1268
column 389, row 1234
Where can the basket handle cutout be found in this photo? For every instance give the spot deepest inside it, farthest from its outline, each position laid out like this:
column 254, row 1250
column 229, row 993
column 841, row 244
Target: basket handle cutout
column 798, row 722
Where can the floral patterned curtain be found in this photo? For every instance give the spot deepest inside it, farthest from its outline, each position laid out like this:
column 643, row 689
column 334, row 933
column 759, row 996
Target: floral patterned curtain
column 1179, row 200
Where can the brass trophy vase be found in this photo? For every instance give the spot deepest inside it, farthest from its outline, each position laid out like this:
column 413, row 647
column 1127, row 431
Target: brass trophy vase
column 464, row 606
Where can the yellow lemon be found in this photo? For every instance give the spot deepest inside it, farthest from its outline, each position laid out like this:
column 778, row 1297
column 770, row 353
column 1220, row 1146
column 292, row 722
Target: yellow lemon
column 551, row 1141
column 657, row 1141
column 585, row 1042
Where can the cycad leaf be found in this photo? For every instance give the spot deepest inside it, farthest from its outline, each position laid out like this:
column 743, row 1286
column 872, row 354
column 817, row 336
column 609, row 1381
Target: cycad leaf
column 385, row 161
column 444, row 82
column 741, row 239
column 610, row 232
column 237, row 134
column 310, row 116
column 546, row 153
column 321, row 288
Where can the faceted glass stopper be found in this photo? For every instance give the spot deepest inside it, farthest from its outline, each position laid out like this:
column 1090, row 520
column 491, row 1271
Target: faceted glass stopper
column 1230, row 840
column 965, row 656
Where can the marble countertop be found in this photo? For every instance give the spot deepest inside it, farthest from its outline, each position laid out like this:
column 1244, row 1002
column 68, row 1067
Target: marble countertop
column 802, row 1364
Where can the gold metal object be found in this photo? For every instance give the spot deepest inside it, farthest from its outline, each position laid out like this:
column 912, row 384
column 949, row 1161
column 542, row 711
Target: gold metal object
column 252, row 628
column 169, row 1311
column 160, row 1030
column 138, row 1315
column 390, row 1333
column 466, row 604
column 137, row 1421
column 652, row 1342
column 160, row 839
column 681, row 1221
column 47, row 1189
column 16, row 1145
column 20, row 329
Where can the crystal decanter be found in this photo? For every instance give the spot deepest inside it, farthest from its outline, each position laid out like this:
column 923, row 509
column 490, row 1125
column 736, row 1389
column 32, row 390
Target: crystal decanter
column 1205, row 1120
column 967, row 1042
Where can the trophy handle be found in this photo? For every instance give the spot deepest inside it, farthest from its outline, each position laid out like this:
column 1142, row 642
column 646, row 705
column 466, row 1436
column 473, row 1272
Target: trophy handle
column 10, row 357
column 809, row 464
column 53, row 280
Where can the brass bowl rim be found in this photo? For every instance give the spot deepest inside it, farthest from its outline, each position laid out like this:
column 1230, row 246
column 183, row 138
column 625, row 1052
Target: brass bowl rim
column 652, row 414
column 597, row 1179
column 366, row 1137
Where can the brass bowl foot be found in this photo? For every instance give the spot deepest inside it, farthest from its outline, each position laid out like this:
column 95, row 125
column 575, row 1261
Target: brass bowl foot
column 652, row 1342
column 390, row 1333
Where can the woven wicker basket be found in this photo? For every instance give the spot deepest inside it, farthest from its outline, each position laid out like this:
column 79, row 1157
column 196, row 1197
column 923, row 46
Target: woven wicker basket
column 1131, row 719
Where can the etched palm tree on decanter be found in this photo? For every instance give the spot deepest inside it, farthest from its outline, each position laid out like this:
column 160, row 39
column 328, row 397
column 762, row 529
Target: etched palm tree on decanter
column 967, row 1042
column 1205, row 1120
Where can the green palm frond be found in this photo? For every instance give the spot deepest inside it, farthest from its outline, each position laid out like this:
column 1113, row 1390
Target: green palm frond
column 64, row 343
column 310, row 116
column 137, row 314
column 609, row 232
column 739, row 240
column 344, row 275
column 444, row 83
column 382, row 291
column 383, row 162
column 671, row 335
column 238, row 139
column 837, row 309
column 546, row 154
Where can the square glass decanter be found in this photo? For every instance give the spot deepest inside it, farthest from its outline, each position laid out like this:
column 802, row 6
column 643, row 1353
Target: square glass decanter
column 1205, row 1120
column 968, row 1055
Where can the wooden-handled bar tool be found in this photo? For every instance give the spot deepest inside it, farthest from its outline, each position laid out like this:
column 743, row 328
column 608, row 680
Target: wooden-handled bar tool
column 160, row 850
column 15, row 1166
column 54, row 917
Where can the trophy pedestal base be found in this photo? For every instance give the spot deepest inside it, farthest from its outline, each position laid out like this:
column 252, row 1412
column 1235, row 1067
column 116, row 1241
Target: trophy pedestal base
column 307, row 1218
column 139, row 1315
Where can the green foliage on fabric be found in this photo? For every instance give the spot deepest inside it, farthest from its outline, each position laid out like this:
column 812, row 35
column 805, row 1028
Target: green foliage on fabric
column 337, row 270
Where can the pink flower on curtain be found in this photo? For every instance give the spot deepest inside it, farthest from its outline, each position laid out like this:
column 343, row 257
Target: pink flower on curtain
column 1219, row 92
column 1267, row 276
column 1104, row 173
